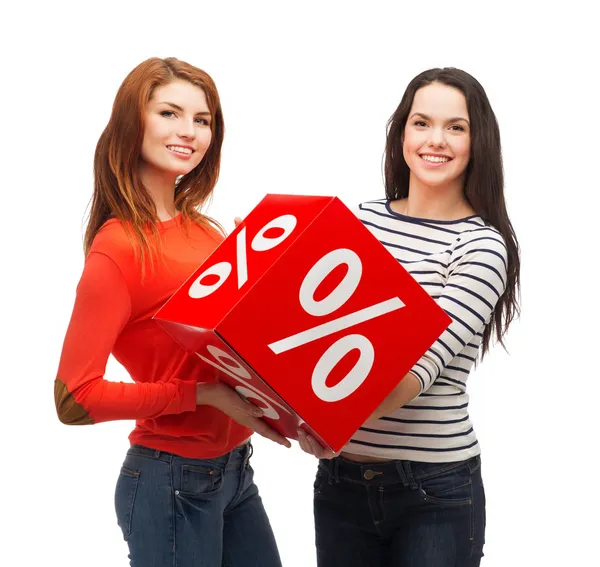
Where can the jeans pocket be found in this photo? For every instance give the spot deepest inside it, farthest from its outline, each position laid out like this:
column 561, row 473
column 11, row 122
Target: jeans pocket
column 200, row 480
column 450, row 487
column 125, row 492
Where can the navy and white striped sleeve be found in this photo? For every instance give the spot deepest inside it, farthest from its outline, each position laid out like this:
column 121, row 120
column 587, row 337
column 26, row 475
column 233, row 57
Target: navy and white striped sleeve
column 476, row 279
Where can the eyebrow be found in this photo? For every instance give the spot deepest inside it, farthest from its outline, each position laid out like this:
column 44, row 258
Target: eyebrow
column 454, row 119
column 177, row 107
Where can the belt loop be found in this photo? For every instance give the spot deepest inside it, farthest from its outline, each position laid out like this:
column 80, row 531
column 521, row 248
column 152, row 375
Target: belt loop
column 406, row 475
column 409, row 476
column 330, row 466
column 229, row 455
column 401, row 473
column 336, row 470
column 249, row 452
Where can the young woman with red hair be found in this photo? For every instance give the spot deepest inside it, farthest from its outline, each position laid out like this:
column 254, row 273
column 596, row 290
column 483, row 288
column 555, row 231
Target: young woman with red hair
column 185, row 494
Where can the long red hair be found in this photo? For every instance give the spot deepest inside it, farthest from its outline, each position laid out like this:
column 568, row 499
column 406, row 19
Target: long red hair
column 118, row 190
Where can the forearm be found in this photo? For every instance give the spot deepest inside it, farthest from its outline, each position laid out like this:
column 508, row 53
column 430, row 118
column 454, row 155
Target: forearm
column 220, row 396
column 100, row 400
column 408, row 389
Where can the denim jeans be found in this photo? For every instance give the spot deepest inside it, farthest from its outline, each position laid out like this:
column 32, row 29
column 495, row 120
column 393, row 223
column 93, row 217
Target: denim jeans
column 178, row 512
column 399, row 514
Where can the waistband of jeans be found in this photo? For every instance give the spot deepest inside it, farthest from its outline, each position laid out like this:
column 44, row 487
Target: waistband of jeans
column 242, row 452
column 389, row 472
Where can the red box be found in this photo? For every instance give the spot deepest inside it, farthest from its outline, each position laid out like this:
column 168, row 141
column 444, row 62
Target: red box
column 303, row 311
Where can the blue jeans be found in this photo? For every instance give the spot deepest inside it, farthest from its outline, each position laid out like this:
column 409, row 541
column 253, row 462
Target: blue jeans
column 178, row 512
column 399, row 514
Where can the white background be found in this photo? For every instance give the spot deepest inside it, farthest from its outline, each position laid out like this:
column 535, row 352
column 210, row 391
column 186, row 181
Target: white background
column 307, row 88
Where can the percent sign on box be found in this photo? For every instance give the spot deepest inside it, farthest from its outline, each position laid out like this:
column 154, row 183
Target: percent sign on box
column 319, row 322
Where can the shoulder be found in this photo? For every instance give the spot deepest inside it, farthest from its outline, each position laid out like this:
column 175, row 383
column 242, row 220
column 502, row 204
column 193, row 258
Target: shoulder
column 209, row 229
column 113, row 241
column 481, row 245
column 475, row 232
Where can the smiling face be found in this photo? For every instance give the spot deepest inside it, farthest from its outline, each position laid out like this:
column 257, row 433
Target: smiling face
column 437, row 140
column 177, row 129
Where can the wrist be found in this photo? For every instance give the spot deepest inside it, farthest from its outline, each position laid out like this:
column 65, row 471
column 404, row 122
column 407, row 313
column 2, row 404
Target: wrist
column 205, row 393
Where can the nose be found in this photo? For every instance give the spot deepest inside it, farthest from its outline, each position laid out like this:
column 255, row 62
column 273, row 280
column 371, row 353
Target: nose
column 437, row 138
column 186, row 129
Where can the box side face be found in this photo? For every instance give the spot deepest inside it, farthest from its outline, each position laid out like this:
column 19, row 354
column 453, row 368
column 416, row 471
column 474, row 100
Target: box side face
column 335, row 324
column 221, row 362
column 229, row 368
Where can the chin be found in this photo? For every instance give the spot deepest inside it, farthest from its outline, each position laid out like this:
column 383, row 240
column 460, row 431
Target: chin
column 178, row 171
column 183, row 172
column 431, row 181
column 438, row 177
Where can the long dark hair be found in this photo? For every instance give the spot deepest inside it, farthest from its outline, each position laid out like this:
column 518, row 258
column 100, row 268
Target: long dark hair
column 484, row 180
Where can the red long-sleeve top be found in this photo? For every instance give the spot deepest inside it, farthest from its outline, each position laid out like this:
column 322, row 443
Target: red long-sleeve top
column 113, row 313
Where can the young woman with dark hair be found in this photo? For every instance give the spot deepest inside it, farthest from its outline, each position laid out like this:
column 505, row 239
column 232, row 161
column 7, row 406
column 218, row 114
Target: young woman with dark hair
column 185, row 494
column 407, row 489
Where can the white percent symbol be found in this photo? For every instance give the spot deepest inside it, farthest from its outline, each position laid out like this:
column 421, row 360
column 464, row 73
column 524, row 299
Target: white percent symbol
column 260, row 243
column 336, row 299
column 230, row 366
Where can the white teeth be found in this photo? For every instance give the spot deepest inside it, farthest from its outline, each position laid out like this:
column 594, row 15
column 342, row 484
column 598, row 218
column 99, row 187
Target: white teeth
column 180, row 149
column 435, row 159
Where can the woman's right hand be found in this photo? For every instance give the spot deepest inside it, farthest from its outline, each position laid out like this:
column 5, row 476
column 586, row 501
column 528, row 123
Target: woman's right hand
column 311, row 446
column 245, row 413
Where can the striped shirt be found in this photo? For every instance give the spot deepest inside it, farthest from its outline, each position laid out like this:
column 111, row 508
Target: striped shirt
column 462, row 265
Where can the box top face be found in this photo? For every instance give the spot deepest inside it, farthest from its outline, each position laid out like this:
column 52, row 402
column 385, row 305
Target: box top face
column 242, row 259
